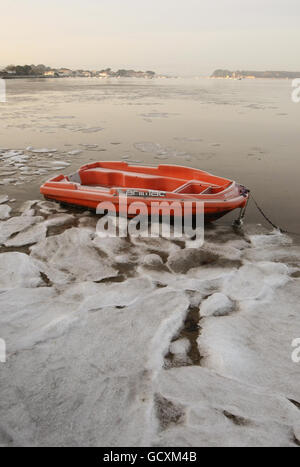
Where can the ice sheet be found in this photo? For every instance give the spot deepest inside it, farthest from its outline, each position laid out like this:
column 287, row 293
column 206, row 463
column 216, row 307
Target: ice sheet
column 219, row 411
column 30, row 236
column 18, row 270
column 217, row 304
column 5, row 211
column 15, row 225
column 73, row 255
column 136, row 341
column 19, row 167
column 3, row 199
column 98, row 380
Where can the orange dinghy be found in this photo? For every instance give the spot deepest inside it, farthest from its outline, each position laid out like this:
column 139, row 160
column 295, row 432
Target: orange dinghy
column 109, row 181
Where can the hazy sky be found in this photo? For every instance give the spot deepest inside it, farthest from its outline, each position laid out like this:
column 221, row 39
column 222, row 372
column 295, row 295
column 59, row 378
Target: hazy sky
column 181, row 36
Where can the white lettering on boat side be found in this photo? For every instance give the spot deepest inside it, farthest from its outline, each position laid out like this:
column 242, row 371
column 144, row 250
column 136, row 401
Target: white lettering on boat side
column 146, row 194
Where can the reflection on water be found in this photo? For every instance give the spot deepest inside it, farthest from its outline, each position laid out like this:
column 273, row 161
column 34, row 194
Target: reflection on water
column 244, row 130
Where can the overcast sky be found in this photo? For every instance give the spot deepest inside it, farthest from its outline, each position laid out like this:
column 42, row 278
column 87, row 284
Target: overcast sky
column 180, row 36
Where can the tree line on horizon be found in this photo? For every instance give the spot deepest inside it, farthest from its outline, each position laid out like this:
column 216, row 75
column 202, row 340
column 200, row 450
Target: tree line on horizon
column 39, row 70
column 25, row 70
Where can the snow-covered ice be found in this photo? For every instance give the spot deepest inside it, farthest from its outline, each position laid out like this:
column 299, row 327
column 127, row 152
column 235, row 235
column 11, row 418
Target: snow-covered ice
column 220, row 411
column 19, row 167
column 143, row 341
column 101, row 384
column 5, row 211
column 15, row 225
column 3, row 199
column 71, row 256
column 40, row 150
column 74, row 152
column 32, row 235
column 61, row 164
column 217, row 304
column 18, row 270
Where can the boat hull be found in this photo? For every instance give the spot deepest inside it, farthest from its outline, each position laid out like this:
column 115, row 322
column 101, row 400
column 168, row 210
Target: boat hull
column 123, row 189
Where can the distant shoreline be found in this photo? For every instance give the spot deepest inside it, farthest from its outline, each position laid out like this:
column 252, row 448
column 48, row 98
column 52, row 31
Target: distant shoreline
column 42, row 71
column 83, row 77
column 23, row 77
column 148, row 79
column 250, row 74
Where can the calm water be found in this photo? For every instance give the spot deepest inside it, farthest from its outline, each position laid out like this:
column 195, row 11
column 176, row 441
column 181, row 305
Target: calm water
column 243, row 130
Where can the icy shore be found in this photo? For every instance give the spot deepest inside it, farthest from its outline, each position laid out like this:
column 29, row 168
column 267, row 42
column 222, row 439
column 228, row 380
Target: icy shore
column 130, row 342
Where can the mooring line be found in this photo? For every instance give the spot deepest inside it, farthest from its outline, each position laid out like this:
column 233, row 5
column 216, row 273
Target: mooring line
column 269, row 220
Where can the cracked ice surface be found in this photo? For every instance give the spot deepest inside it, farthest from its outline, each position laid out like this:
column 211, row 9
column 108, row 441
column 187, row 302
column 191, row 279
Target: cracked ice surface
column 18, row 270
column 90, row 322
column 159, row 151
column 71, row 256
column 4, row 211
column 15, row 225
column 113, row 382
column 19, row 167
column 3, row 199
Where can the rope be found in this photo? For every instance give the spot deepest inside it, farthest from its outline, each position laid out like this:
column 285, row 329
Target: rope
column 270, row 222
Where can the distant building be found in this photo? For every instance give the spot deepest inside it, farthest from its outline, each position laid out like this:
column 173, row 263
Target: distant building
column 64, row 72
column 50, row 73
column 83, row 73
